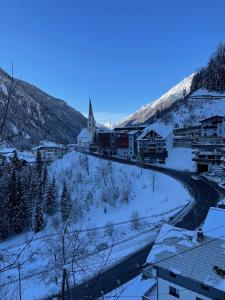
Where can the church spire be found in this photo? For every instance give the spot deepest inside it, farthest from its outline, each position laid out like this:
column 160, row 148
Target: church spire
column 91, row 121
column 90, row 114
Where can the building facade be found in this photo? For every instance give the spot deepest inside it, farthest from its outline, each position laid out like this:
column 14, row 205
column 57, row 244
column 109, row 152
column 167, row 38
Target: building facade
column 126, row 141
column 213, row 126
column 155, row 144
column 50, row 151
column 106, row 142
column 187, row 265
column 184, row 137
column 208, row 148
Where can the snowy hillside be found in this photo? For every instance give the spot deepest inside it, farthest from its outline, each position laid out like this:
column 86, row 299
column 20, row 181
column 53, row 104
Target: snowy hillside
column 146, row 112
column 117, row 209
column 200, row 105
column 197, row 106
column 108, row 191
column 199, row 96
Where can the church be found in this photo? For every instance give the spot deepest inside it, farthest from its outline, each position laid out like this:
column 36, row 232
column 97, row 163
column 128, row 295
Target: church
column 87, row 137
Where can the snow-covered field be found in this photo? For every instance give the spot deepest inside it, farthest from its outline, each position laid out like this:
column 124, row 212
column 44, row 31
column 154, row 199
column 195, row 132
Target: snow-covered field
column 130, row 201
column 181, row 159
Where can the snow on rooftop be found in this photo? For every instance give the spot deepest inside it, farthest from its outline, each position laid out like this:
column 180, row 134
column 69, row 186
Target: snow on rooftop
column 5, row 150
column 160, row 128
column 178, row 249
column 48, row 144
column 85, row 135
column 214, row 223
column 204, row 92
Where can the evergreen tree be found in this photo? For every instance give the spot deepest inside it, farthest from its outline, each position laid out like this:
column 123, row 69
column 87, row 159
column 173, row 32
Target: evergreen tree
column 212, row 77
column 16, row 207
column 38, row 218
column 39, row 163
column 65, row 204
column 43, row 184
column 50, row 203
column 16, row 163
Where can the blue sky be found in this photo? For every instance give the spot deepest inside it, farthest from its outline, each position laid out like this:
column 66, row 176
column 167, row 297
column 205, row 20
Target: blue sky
column 123, row 53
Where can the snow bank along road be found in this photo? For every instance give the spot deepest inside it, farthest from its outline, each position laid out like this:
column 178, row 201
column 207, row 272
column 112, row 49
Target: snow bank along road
column 205, row 194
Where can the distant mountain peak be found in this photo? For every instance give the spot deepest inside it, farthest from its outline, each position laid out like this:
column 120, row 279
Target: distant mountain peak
column 148, row 111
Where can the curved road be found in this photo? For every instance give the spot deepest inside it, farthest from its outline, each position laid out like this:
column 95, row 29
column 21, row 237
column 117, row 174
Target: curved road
column 205, row 194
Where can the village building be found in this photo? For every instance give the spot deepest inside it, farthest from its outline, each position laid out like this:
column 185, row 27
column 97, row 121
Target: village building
column 155, row 143
column 86, row 139
column 214, row 222
column 223, row 161
column 208, row 153
column 213, row 126
column 106, row 142
column 126, row 140
column 7, row 153
column 184, row 137
column 187, row 265
column 208, row 149
column 50, row 151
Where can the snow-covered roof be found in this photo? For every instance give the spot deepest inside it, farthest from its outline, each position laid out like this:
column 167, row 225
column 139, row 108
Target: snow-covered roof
column 195, row 260
column 85, row 136
column 48, row 144
column 211, row 118
column 160, row 128
column 214, row 223
column 23, row 155
column 7, row 150
column 27, row 156
column 205, row 92
column 133, row 132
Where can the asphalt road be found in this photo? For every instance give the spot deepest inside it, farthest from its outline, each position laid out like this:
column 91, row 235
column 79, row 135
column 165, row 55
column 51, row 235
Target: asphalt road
column 205, row 195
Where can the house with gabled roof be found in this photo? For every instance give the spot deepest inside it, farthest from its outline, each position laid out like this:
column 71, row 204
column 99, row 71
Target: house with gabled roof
column 155, row 143
column 188, row 265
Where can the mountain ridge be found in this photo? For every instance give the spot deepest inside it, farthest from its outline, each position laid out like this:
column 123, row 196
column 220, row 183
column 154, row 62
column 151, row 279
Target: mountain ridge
column 35, row 115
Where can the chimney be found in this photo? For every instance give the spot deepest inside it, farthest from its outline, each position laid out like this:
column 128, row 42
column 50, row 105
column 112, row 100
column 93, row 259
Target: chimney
column 200, row 235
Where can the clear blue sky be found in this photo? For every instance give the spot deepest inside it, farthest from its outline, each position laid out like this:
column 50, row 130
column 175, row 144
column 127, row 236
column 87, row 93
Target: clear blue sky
column 124, row 53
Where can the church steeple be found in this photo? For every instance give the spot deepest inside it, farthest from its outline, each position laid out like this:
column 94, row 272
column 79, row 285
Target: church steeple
column 90, row 114
column 91, row 121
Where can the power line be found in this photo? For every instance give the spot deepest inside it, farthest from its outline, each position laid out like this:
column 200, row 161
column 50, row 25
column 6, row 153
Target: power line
column 127, row 256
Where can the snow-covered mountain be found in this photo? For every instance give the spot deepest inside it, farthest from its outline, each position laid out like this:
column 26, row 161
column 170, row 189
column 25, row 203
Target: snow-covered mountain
column 109, row 125
column 34, row 115
column 148, row 112
column 196, row 97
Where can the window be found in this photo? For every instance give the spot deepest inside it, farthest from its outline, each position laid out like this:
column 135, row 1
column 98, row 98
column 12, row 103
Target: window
column 205, row 287
column 172, row 274
column 174, row 292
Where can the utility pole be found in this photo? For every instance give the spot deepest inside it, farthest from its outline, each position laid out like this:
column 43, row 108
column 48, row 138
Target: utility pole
column 20, row 288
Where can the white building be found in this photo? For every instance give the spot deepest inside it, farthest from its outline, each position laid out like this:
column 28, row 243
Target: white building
column 214, row 223
column 50, row 151
column 155, row 142
column 188, row 265
column 87, row 136
column 213, row 126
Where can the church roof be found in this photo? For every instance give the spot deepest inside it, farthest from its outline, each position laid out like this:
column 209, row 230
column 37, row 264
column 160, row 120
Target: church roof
column 85, row 136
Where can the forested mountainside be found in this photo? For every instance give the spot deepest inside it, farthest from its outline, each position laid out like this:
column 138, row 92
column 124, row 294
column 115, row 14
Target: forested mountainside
column 34, row 115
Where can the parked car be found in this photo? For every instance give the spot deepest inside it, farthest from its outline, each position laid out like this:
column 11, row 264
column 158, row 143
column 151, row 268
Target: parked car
column 195, row 177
